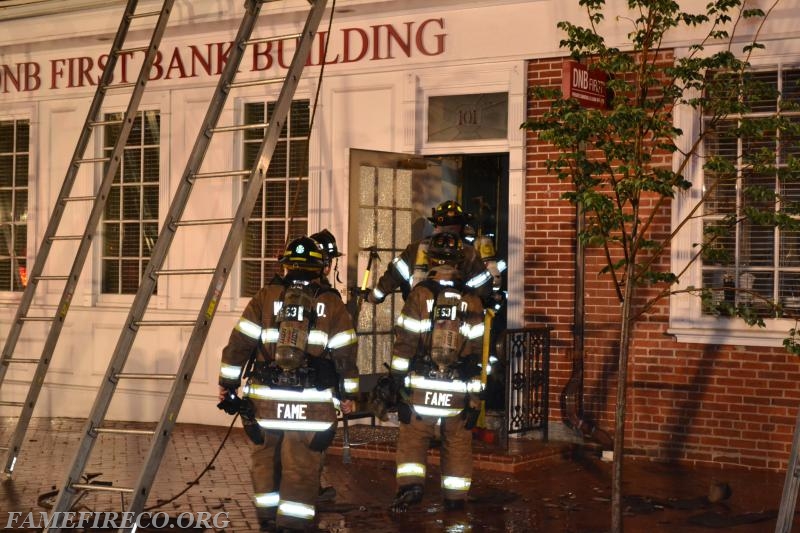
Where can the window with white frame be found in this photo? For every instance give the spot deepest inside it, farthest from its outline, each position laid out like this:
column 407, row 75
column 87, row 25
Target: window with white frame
column 281, row 211
column 754, row 263
column 130, row 222
column 14, row 146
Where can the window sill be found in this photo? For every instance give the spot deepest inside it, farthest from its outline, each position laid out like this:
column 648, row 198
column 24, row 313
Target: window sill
column 10, row 297
column 733, row 332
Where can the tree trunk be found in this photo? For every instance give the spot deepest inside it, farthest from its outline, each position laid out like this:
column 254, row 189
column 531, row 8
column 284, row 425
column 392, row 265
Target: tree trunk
column 622, row 396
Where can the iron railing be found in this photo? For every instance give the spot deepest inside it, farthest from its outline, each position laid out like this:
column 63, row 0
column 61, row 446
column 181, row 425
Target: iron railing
column 527, row 380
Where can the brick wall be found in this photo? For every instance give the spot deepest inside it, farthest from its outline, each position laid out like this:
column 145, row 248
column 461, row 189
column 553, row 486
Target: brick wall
column 694, row 403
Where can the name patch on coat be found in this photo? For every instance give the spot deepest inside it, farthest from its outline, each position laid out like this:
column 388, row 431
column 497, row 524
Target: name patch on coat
column 291, row 411
column 451, row 401
column 285, row 411
column 438, row 399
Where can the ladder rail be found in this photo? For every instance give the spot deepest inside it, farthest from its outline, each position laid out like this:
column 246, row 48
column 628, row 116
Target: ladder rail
column 790, row 485
column 98, row 207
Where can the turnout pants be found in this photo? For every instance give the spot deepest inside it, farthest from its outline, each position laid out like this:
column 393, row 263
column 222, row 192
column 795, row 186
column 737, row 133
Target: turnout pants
column 285, row 475
column 456, row 454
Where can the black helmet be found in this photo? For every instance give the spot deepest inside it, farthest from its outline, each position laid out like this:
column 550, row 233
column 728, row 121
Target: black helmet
column 303, row 253
column 445, row 247
column 449, row 213
column 328, row 242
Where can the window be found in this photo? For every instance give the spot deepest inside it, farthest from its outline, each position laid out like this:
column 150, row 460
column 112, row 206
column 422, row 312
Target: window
column 130, row 222
column 281, row 211
column 14, row 141
column 754, row 263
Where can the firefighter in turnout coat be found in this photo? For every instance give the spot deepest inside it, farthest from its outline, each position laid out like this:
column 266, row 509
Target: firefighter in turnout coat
column 411, row 266
column 304, row 345
column 435, row 363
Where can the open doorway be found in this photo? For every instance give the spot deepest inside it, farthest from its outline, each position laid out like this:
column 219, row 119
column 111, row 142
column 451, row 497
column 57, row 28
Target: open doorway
column 391, row 197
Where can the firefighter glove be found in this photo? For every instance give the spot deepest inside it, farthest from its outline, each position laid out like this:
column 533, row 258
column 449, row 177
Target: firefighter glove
column 383, row 397
column 373, row 298
column 231, row 403
column 247, row 412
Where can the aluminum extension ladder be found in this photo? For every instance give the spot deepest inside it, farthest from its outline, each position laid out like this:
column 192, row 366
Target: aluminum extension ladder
column 94, row 122
column 255, row 178
column 790, row 485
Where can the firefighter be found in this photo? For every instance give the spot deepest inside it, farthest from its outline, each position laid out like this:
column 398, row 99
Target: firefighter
column 411, row 266
column 304, row 345
column 330, row 260
column 435, row 365
column 331, row 255
column 484, row 244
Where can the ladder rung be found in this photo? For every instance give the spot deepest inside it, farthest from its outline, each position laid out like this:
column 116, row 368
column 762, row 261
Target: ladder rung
column 204, row 222
column 11, row 404
column 66, row 237
column 121, row 86
column 106, row 488
column 93, row 160
column 185, row 271
column 239, row 127
column 25, row 361
column 78, row 198
column 254, row 83
column 51, row 278
column 122, row 431
column 165, row 322
column 274, row 38
column 145, row 14
column 123, row 375
column 105, row 122
column 226, row 174
column 133, row 49
column 36, row 318
column 3, row 448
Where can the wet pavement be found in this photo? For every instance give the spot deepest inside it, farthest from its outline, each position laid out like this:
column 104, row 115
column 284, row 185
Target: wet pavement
column 532, row 487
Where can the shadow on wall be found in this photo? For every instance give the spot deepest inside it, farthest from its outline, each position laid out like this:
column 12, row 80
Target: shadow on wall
column 689, row 408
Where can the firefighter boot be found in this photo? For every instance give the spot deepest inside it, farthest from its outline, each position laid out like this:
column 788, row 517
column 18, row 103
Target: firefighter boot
column 406, row 495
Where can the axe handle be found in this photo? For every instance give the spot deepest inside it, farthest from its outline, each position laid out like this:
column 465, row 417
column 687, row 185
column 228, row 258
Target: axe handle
column 487, row 338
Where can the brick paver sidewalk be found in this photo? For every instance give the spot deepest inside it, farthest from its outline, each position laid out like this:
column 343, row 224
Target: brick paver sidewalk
column 567, row 493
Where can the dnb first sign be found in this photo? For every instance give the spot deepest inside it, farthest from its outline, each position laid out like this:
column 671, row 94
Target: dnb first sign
column 585, row 85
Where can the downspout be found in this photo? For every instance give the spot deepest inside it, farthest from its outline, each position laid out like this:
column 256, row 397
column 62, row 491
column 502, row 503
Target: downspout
column 572, row 396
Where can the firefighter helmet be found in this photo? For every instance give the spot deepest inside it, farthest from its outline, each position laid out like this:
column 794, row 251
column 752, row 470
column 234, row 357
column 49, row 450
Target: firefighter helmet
column 328, row 242
column 303, row 253
column 445, row 247
column 449, row 213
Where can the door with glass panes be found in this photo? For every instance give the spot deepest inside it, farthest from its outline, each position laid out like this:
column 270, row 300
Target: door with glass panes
column 391, row 197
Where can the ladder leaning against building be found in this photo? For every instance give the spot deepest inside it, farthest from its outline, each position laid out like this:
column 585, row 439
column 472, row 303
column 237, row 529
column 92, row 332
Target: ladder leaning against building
column 94, row 123
column 135, row 319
